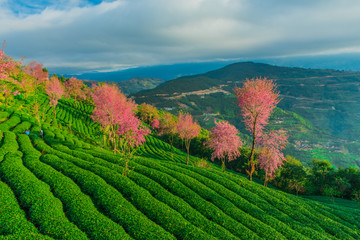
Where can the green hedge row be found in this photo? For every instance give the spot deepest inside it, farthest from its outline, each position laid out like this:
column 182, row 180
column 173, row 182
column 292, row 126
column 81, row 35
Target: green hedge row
column 239, row 202
column 156, row 210
column 155, row 148
column 222, row 203
column 110, row 200
column 161, row 194
column 4, row 116
column 26, row 236
column 301, row 212
column 22, row 127
column 339, row 211
column 12, row 217
column 44, row 210
column 106, row 197
column 9, row 144
column 10, row 123
column 79, row 121
column 347, row 226
column 258, row 205
column 311, row 213
column 78, row 206
column 271, row 199
column 174, row 186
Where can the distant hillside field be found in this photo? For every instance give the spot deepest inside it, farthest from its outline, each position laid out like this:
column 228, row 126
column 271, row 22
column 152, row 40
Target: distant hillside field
column 132, row 85
column 323, row 105
column 64, row 187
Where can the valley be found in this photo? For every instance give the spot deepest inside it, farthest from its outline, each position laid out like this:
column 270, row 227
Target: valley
column 319, row 108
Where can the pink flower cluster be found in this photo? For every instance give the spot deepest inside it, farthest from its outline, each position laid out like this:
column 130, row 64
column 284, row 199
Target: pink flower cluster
column 224, row 141
column 257, row 99
column 271, row 156
column 6, row 65
column 16, row 93
column 113, row 108
column 186, row 127
column 36, row 69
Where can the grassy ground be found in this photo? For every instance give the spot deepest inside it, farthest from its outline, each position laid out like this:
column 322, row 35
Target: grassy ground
column 65, row 187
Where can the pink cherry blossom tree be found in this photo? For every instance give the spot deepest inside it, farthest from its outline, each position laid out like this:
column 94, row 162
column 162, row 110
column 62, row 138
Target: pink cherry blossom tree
column 271, row 157
column 74, row 89
column 155, row 124
column 187, row 129
column 38, row 72
column 225, row 142
column 55, row 91
column 7, row 65
column 148, row 113
column 257, row 99
column 117, row 114
column 168, row 127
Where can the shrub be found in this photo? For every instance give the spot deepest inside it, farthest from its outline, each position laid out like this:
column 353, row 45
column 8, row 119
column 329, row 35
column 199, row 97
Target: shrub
column 78, row 206
column 35, row 196
column 107, row 198
column 9, row 144
column 12, row 217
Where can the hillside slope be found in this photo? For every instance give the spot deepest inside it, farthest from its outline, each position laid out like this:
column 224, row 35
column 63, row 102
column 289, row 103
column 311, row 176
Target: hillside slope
column 327, row 99
column 132, row 85
column 63, row 187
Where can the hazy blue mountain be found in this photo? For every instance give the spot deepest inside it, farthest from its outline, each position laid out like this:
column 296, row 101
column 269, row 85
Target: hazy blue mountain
column 325, row 102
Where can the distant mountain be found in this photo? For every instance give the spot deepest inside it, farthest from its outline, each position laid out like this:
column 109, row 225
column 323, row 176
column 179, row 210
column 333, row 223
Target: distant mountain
column 166, row 72
column 328, row 99
column 133, row 85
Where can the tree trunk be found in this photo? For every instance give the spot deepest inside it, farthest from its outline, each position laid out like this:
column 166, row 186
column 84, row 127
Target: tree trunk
column 126, row 167
column 266, row 180
column 251, row 158
column 187, row 145
column 223, row 164
column 112, row 133
column 171, row 146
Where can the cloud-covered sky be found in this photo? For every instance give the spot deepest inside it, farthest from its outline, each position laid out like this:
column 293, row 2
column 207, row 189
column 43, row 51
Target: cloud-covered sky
column 82, row 35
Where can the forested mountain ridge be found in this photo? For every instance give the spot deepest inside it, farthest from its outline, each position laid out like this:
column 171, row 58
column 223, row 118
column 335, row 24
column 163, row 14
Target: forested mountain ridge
column 327, row 99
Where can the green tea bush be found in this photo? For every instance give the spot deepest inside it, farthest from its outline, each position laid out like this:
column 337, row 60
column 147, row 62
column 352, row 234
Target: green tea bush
column 4, row 116
column 156, row 210
column 109, row 199
column 35, row 196
column 10, row 123
column 206, row 208
column 226, row 206
column 239, row 202
column 161, row 194
column 300, row 212
column 259, row 207
column 12, row 217
column 26, row 236
column 22, row 127
column 9, row 144
column 78, row 206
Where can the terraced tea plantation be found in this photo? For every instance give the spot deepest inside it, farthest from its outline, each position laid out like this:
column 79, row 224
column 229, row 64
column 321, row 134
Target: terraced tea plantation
column 64, row 187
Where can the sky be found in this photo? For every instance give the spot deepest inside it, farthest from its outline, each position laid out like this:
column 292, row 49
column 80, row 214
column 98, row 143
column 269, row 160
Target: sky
column 75, row 36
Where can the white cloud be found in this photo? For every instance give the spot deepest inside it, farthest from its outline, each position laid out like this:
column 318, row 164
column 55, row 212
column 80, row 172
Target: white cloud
column 126, row 33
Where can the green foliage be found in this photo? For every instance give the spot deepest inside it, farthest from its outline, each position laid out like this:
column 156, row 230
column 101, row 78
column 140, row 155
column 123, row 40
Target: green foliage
column 25, row 236
column 44, row 209
column 12, row 217
column 63, row 186
column 78, row 206
column 12, row 122
column 9, row 144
